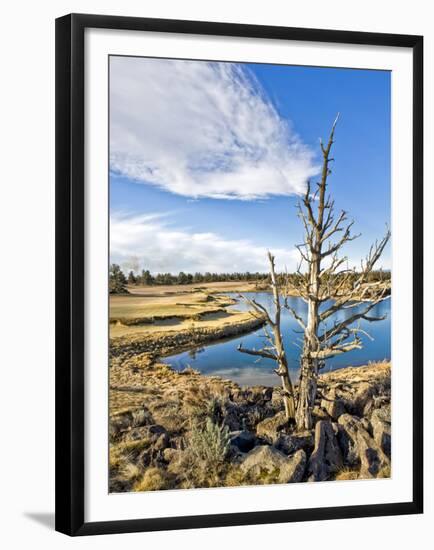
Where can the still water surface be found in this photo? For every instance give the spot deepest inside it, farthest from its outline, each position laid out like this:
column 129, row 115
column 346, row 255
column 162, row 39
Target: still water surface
column 223, row 359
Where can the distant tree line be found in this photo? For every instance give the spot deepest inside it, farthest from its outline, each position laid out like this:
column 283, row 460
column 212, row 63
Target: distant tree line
column 182, row 278
column 118, row 281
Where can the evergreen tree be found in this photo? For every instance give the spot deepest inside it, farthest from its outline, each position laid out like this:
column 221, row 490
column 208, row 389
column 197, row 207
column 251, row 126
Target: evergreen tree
column 132, row 280
column 117, row 280
column 146, row 277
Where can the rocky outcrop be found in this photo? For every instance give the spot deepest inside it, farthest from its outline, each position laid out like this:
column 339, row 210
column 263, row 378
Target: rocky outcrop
column 360, row 449
column 244, row 441
column 154, row 407
column 333, row 405
column 290, row 443
column 265, row 460
column 270, row 428
column 326, row 458
column 381, row 427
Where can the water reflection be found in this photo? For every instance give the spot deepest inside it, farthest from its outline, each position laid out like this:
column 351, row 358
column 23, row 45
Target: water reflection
column 223, row 359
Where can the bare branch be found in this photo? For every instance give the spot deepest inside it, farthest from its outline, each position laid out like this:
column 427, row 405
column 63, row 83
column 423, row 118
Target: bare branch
column 297, row 317
column 343, row 325
column 259, row 308
column 336, row 228
column 259, row 353
column 327, row 353
column 307, row 201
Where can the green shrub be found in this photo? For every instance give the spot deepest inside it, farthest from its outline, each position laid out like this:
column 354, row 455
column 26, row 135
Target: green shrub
column 202, row 462
column 209, row 444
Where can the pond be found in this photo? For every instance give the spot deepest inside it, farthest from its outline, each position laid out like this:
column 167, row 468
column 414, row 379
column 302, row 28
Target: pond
column 223, row 359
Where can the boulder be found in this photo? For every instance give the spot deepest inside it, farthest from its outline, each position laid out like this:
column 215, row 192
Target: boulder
column 265, row 461
column 333, row 407
column 289, row 444
column 360, row 398
column 270, row 428
column 326, row 458
column 359, row 448
column 130, row 419
column 367, row 425
column 347, row 437
column 231, row 418
column 319, row 413
column 381, row 427
column 294, row 470
column 372, row 458
column 244, row 441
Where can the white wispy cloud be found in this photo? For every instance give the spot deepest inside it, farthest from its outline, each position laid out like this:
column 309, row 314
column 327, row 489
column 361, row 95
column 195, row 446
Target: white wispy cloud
column 151, row 242
column 201, row 129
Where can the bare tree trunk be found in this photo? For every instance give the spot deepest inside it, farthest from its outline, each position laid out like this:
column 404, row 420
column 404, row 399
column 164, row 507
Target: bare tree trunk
column 288, row 393
column 309, row 365
column 276, row 351
column 282, row 370
column 306, row 390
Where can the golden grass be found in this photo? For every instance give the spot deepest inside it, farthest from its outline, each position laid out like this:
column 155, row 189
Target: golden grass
column 132, row 307
column 154, row 479
column 130, row 471
column 181, row 310
column 129, row 448
column 385, row 472
column 346, row 474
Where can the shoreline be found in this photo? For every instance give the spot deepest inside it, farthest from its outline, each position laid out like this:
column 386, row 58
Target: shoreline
column 165, row 343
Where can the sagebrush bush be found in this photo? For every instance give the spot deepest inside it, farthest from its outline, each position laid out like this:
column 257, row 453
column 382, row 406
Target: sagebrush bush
column 209, row 444
column 202, row 462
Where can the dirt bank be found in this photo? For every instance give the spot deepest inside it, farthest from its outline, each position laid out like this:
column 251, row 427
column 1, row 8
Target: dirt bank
column 158, row 343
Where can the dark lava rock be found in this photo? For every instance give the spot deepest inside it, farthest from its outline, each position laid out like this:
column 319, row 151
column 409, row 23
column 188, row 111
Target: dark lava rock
column 243, row 440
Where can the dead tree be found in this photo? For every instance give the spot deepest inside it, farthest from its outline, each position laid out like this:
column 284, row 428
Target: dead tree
column 275, row 349
column 325, row 280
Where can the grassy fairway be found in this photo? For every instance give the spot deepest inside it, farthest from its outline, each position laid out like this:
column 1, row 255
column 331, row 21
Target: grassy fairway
column 168, row 308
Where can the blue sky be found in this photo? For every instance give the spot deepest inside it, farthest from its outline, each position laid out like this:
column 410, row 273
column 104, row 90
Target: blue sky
column 209, row 160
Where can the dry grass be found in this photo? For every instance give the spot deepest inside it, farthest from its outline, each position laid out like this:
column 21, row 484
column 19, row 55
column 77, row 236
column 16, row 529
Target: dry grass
column 129, row 450
column 132, row 307
column 346, row 474
column 235, row 477
column 154, row 479
column 385, row 472
column 130, row 471
column 155, row 291
column 168, row 310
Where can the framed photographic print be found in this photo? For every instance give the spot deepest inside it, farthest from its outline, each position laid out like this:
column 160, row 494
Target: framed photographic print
column 238, row 274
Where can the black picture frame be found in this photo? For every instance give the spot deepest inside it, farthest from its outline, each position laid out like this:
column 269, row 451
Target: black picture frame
column 70, row 286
